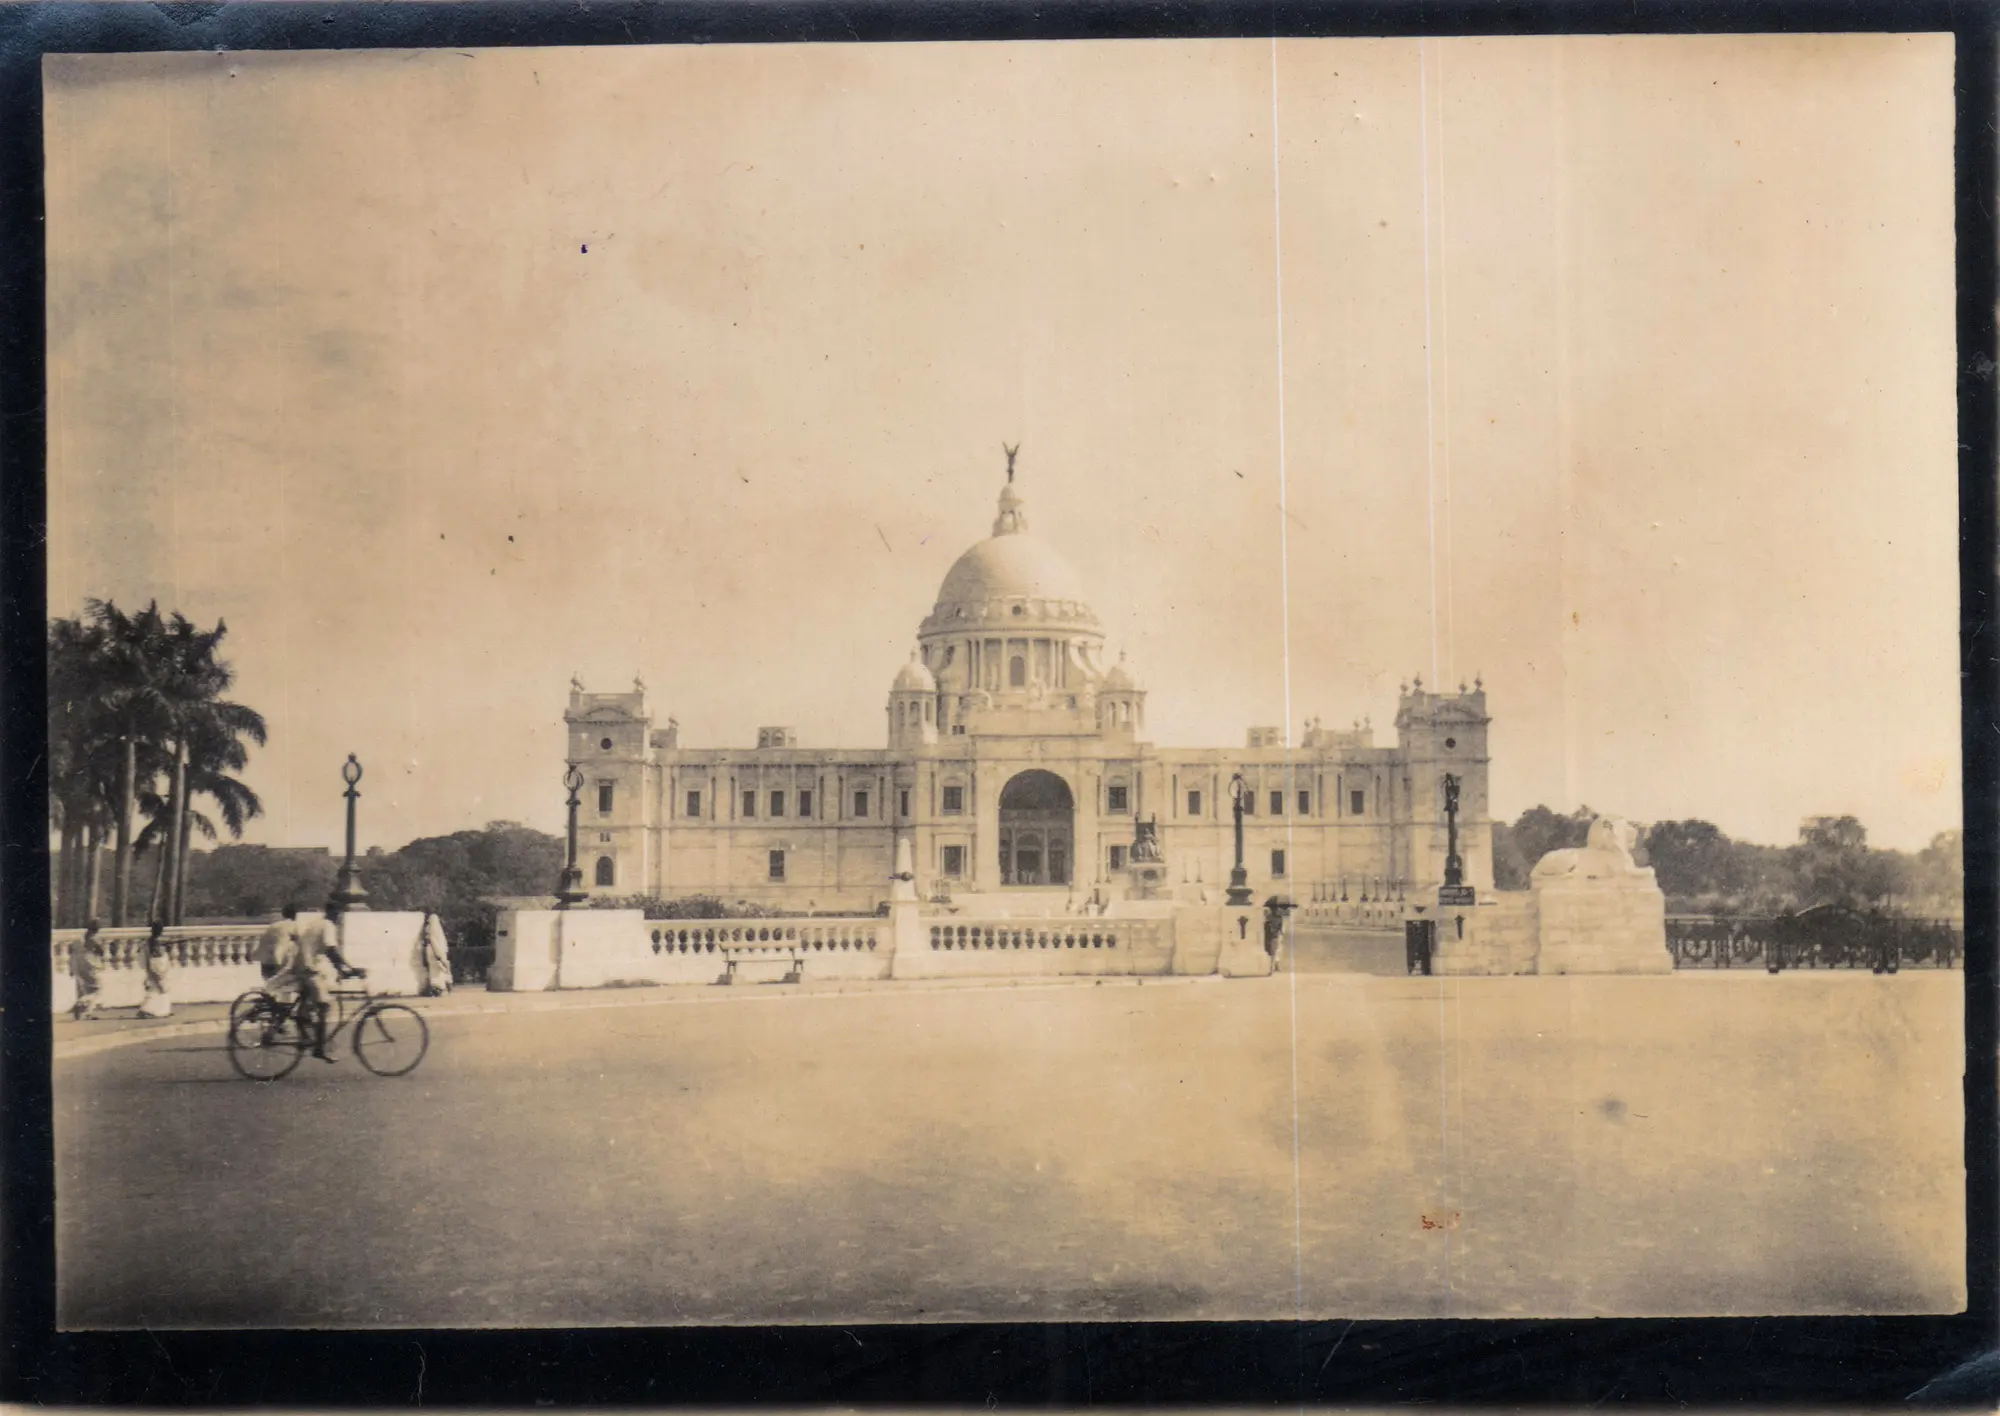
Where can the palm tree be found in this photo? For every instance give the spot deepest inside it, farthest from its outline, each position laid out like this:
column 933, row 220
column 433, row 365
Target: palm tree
column 83, row 770
column 213, row 742
column 132, row 695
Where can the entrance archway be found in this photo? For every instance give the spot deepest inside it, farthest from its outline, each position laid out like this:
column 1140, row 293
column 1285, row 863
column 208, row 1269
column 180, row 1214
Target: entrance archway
column 1037, row 830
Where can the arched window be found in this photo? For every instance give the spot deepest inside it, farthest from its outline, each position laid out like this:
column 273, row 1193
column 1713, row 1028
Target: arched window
column 604, row 870
column 1017, row 672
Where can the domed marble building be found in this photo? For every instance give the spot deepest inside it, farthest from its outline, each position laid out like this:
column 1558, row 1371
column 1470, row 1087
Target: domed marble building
column 1016, row 765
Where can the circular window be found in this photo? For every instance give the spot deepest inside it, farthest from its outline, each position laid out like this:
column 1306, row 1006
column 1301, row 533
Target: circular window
column 605, row 743
column 1020, row 609
column 1451, row 742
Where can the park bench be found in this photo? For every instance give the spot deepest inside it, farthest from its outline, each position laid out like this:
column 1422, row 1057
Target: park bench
column 788, row 967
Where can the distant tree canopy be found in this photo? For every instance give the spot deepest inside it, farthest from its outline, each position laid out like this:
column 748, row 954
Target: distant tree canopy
column 457, row 877
column 251, row 882
column 1702, row 871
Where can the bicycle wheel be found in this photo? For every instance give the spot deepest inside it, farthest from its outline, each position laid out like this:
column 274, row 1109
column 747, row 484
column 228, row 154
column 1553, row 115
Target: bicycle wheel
column 391, row 1039
column 265, row 1043
column 246, row 1001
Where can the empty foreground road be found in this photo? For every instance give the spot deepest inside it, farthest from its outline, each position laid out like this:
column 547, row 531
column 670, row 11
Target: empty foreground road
column 1325, row 1145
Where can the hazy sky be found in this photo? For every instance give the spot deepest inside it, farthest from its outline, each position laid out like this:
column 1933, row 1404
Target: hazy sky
column 1616, row 370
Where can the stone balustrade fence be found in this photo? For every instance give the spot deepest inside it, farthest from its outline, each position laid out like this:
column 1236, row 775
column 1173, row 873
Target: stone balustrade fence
column 214, row 963
column 1012, row 947
column 211, row 964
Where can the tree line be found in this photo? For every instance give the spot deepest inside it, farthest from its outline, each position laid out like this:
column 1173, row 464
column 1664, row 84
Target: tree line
column 140, row 733
column 1701, row 870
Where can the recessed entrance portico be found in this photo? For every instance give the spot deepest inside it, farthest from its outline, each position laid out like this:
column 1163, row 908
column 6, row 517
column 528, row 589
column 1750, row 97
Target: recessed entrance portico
column 1037, row 830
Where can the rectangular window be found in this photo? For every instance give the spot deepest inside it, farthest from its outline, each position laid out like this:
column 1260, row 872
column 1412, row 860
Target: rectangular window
column 1305, row 803
column 1194, row 803
column 954, row 800
column 1114, row 799
column 1277, row 865
column 1277, row 803
column 954, row 861
column 861, row 804
column 604, row 793
column 694, row 805
column 1117, row 857
column 903, row 802
column 749, row 804
column 805, row 803
column 1357, row 803
column 777, row 865
column 777, row 803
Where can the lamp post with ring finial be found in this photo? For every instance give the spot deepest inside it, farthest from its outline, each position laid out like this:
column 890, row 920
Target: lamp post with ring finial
column 1239, row 878
column 569, row 890
column 347, row 891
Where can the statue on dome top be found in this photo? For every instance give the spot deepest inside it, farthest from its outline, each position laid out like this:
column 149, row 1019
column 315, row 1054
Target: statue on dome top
column 1012, row 453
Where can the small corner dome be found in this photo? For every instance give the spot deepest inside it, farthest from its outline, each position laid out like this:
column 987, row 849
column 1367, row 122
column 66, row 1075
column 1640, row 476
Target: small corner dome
column 913, row 677
column 1120, row 676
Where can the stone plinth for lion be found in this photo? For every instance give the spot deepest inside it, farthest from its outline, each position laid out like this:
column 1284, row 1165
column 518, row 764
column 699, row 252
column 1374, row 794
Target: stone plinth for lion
column 1597, row 911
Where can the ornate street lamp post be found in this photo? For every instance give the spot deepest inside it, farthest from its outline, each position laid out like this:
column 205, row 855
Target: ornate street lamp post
column 569, row 890
column 347, row 892
column 1239, row 878
column 1454, row 868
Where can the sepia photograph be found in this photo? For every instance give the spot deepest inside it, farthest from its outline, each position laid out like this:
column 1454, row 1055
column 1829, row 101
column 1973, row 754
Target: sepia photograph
column 1091, row 681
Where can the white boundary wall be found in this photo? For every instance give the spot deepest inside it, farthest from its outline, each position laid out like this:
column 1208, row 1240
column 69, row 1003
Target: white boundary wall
column 217, row 963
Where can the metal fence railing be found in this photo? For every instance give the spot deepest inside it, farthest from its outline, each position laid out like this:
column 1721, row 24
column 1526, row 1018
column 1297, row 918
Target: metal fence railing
column 1824, row 937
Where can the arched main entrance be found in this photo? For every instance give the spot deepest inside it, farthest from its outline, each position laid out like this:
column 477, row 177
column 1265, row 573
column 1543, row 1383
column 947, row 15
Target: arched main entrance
column 1037, row 830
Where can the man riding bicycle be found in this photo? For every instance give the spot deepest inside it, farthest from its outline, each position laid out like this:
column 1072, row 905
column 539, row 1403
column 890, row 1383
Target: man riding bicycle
column 302, row 959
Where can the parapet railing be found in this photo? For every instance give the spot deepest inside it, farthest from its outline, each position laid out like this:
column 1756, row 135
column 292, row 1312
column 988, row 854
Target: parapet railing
column 1371, row 915
column 1098, row 934
column 194, row 946
column 1825, row 938
column 774, row 938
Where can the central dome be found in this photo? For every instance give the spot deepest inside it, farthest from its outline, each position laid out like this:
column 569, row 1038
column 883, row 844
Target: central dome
column 1011, row 576
column 1006, row 568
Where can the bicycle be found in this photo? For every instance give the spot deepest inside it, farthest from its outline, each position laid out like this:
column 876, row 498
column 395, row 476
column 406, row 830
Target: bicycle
column 267, row 1039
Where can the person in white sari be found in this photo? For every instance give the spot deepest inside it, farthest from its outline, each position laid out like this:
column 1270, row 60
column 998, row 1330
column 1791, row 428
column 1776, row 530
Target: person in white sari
column 159, row 974
column 437, row 958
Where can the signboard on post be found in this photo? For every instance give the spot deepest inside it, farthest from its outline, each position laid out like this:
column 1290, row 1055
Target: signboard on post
column 1450, row 895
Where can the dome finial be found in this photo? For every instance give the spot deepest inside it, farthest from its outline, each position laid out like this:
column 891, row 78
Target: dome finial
column 1010, row 519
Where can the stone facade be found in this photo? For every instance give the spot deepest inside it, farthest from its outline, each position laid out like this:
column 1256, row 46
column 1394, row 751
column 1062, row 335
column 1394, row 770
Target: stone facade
column 1016, row 764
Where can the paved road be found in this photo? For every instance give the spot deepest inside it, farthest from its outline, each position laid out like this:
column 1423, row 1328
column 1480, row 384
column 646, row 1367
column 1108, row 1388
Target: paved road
column 1694, row 1144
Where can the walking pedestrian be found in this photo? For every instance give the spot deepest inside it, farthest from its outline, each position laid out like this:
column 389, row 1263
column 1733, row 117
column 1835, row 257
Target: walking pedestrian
column 437, row 958
column 86, row 966
column 159, row 974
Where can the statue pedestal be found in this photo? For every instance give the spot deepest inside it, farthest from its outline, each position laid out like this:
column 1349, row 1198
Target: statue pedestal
column 1615, row 924
column 1242, row 954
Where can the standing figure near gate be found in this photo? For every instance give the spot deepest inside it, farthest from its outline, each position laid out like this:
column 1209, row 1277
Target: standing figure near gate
column 159, row 974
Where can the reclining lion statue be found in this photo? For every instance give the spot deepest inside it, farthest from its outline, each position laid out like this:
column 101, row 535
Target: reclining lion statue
column 1608, row 852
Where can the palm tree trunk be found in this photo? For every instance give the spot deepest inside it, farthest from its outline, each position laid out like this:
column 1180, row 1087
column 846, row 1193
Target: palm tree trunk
column 128, row 788
column 65, row 901
column 92, row 869
column 73, row 867
column 176, row 835
column 181, row 857
column 160, row 859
